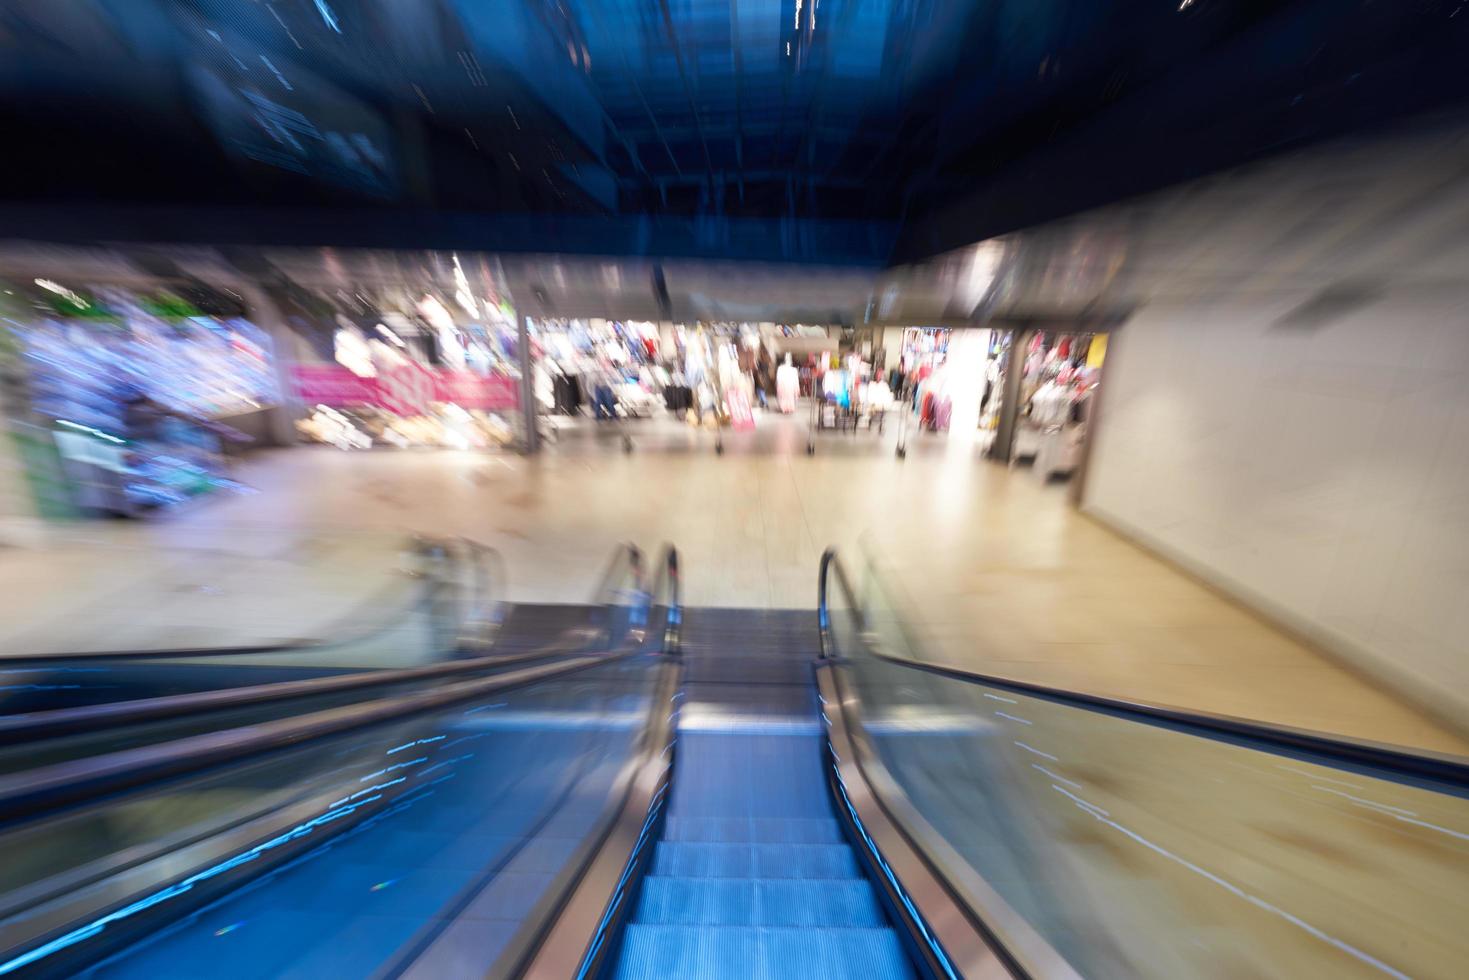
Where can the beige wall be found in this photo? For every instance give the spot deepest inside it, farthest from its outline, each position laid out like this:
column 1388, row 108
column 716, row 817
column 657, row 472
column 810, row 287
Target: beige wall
column 1322, row 476
column 892, row 340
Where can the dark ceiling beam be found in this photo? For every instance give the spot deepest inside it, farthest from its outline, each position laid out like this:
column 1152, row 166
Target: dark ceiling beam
column 851, row 243
column 765, row 176
column 642, row 98
column 739, row 82
column 689, row 133
column 806, row 156
column 684, row 75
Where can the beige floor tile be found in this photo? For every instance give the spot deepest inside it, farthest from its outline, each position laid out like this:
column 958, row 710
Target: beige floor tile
column 1002, row 573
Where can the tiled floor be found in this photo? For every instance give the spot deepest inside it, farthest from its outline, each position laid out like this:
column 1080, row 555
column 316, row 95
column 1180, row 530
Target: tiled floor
column 177, row 584
column 1003, row 573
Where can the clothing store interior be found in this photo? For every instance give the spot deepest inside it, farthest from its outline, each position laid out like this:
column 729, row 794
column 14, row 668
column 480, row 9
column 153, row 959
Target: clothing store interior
column 925, row 384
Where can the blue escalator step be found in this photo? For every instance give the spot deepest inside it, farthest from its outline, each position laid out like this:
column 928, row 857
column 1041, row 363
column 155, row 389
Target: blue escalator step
column 744, row 830
column 744, row 953
column 758, row 902
column 699, row 859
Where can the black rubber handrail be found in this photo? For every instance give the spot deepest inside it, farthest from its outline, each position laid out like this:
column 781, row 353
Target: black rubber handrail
column 428, row 952
column 1452, row 770
column 561, row 935
column 437, row 549
column 482, row 624
column 54, row 790
column 38, row 792
column 668, row 578
column 629, row 555
column 87, row 719
column 958, row 922
column 36, row 725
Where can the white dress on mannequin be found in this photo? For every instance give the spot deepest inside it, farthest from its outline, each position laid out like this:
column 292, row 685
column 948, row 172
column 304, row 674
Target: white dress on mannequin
column 787, row 386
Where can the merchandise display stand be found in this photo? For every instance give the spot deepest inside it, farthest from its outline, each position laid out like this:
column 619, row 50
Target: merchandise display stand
column 841, row 420
column 902, row 450
column 626, row 436
column 811, row 425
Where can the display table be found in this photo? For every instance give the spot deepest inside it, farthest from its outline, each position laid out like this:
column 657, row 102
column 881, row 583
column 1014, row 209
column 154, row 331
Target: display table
column 1059, row 451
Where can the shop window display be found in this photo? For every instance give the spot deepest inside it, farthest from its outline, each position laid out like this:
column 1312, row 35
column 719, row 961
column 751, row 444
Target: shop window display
column 1061, row 372
column 609, row 367
column 610, row 370
column 420, row 379
column 137, row 390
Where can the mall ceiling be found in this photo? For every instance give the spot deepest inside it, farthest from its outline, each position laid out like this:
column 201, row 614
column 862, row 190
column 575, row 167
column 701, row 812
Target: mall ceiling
column 847, row 132
column 1315, row 234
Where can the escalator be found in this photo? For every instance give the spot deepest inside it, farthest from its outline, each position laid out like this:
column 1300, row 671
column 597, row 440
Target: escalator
column 477, row 638
column 333, row 836
column 985, row 827
column 745, row 793
column 445, row 603
column 752, row 874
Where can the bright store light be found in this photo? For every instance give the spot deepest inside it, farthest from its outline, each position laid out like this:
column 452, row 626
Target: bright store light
column 96, row 433
column 462, row 292
column 984, row 266
column 328, row 16
column 61, row 290
column 435, row 313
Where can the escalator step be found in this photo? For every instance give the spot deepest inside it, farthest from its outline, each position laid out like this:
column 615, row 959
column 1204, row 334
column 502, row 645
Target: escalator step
column 704, row 860
column 746, row 830
column 749, row 670
column 758, row 902
column 744, row 953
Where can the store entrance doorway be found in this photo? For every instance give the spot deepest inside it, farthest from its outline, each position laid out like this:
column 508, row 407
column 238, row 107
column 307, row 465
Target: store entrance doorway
column 1043, row 412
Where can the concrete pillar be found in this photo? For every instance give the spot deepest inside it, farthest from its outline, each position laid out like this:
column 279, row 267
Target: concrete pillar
column 263, row 311
column 1010, row 407
column 892, row 342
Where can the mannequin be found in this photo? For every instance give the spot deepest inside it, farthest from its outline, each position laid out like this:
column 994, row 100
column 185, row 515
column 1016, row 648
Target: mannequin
column 787, row 384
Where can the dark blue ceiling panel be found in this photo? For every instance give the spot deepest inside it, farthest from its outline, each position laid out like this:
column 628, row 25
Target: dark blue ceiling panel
column 953, row 119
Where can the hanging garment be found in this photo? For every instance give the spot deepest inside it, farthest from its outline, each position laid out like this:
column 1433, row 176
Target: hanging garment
column 737, row 404
column 943, row 415
column 787, row 385
column 605, row 401
column 565, row 394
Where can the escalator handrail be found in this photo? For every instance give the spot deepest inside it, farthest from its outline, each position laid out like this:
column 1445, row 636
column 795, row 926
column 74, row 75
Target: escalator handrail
column 38, row 725
column 983, row 919
column 669, row 579
column 577, row 907
column 488, row 604
column 37, row 792
column 1440, row 767
column 958, row 920
column 33, row 726
column 41, row 792
column 625, row 554
column 421, row 596
column 146, row 767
